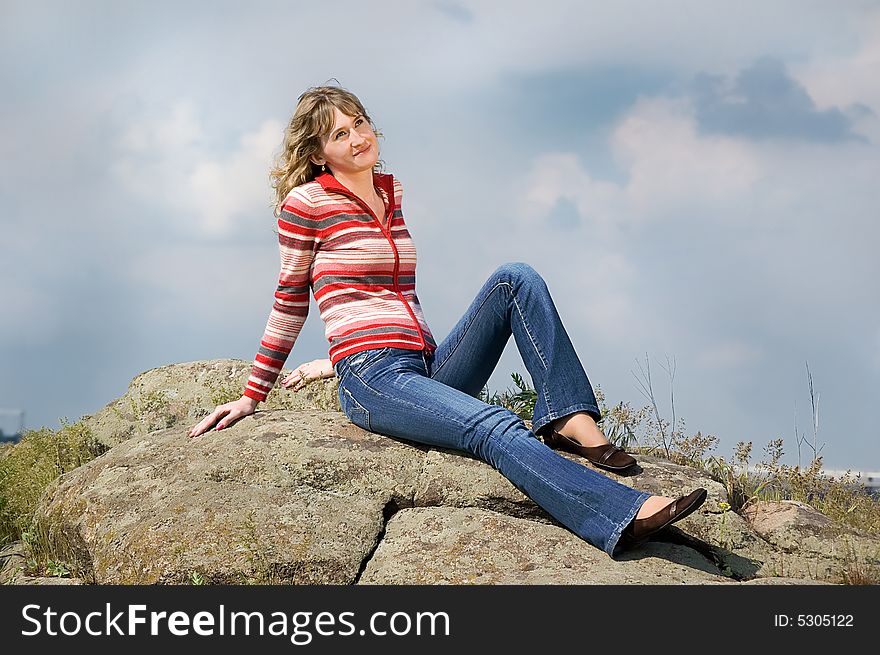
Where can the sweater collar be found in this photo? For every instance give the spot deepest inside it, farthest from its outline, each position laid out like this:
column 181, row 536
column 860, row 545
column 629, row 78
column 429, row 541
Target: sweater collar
column 384, row 181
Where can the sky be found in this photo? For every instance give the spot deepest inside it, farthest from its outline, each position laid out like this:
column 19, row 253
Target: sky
column 696, row 181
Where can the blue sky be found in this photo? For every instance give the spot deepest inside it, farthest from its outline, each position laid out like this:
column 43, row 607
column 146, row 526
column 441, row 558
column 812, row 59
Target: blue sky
column 694, row 180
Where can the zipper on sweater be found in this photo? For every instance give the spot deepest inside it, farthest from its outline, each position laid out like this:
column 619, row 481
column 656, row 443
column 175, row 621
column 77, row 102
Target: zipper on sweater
column 388, row 236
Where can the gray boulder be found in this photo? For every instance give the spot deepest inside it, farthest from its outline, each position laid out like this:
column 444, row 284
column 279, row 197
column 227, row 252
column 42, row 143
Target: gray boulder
column 297, row 494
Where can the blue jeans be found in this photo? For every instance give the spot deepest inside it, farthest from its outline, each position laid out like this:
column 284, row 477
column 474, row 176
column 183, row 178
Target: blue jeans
column 432, row 400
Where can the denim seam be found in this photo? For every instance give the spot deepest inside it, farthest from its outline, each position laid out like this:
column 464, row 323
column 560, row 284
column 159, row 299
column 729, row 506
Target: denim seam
column 358, row 406
column 562, row 491
column 630, row 516
column 544, row 390
column 529, row 332
column 401, row 400
column 467, row 327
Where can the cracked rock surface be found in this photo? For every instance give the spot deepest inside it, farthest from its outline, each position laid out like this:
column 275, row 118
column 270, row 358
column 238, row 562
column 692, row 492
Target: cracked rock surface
column 297, row 494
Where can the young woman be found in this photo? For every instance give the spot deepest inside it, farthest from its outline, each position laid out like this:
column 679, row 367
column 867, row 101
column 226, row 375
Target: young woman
column 342, row 234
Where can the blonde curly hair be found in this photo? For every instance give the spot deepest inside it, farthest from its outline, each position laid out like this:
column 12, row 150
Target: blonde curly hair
column 312, row 120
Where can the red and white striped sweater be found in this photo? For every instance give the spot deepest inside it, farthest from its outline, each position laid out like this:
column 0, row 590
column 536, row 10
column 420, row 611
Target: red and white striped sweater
column 362, row 273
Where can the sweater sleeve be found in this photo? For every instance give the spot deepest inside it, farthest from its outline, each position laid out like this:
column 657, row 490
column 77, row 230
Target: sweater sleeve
column 298, row 242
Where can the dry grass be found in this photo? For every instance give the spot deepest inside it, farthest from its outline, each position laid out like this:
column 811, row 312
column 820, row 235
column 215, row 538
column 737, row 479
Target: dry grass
column 844, row 500
column 28, row 468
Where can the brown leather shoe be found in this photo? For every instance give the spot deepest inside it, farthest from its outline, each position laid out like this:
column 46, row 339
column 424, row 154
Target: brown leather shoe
column 640, row 530
column 607, row 456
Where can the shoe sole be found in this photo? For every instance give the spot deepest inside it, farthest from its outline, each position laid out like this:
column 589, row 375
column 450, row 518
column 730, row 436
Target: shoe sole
column 613, row 469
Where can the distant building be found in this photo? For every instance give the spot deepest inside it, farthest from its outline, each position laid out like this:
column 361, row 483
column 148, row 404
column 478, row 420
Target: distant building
column 9, row 438
column 11, row 425
column 869, row 479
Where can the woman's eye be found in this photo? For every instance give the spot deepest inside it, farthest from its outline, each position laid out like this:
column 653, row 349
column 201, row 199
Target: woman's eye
column 341, row 133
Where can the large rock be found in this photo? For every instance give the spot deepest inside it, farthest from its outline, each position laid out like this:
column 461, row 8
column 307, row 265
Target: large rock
column 297, row 494
column 446, row 545
column 179, row 394
column 287, row 497
column 807, row 544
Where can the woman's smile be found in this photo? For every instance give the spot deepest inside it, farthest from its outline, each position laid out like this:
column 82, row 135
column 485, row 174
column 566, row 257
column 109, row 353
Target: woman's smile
column 350, row 148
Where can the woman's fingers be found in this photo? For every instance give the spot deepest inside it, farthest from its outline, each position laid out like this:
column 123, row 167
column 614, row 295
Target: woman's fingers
column 307, row 372
column 295, row 380
column 225, row 415
column 208, row 422
column 231, row 417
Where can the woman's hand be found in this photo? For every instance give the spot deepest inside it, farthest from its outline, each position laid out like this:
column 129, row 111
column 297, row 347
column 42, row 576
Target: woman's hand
column 305, row 373
column 225, row 415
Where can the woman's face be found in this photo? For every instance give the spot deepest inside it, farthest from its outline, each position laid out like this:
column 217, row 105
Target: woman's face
column 351, row 147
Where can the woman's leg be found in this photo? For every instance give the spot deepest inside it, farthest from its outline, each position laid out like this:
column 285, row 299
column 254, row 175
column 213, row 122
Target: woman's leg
column 389, row 392
column 515, row 300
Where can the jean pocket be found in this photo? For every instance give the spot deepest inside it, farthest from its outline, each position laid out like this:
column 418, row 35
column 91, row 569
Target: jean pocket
column 357, row 413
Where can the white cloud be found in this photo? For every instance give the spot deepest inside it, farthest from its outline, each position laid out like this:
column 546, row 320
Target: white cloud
column 225, row 188
column 669, row 168
column 556, row 176
column 163, row 135
column 167, row 161
column 673, row 174
column 843, row 80
column 708, row 235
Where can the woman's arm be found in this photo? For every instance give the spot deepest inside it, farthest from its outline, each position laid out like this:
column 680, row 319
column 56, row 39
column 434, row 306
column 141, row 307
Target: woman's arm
column 298, row 243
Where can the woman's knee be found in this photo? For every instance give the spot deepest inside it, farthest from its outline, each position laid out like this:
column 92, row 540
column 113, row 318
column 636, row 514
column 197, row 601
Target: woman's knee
column 496, row 424
column 518, row 273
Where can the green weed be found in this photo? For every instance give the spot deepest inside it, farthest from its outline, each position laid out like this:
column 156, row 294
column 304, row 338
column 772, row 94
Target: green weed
column 520, row 401
column 28, row 468
column 57, row 569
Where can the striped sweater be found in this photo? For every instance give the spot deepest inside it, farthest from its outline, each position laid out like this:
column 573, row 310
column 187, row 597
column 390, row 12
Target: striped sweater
column 362, row 272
